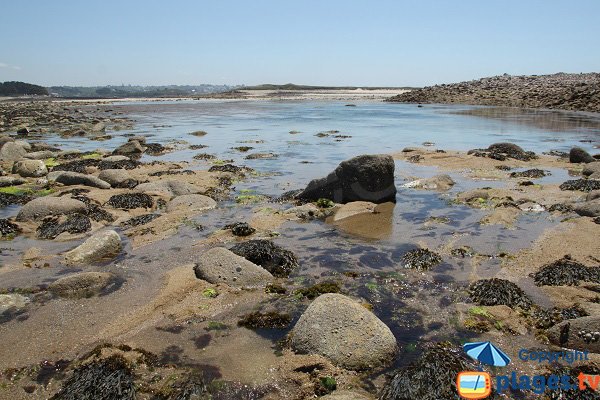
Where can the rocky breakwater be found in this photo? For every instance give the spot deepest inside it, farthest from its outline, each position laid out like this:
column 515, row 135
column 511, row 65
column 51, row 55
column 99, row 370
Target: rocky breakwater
column 362, row 178
column 578, row 92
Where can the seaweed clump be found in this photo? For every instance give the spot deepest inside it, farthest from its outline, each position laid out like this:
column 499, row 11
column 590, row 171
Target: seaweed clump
column 234, row 169
column 503, row 151
column 7, row 199
column 107, row 379
column 315, row 291
column 8, row 228
column 567, row 272
column 544, row 319
column 431, row 377
column 421, row 259
column 271, row 319
column 121, row 164
column 79, row 166
column 139, row 220
column 574, row 391
column 127, row 201
column 51, row 227
column 584, row 185
column 493, row 292
column 275, row 259
column 240, row 229
column 530, row 173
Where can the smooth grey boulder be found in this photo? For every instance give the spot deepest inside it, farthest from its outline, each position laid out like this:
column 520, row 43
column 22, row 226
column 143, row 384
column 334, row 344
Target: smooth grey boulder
column 345, row 332
column 362, row 178
column 40, row 155
column 168, row 187
column 591, row 168
column 11, row 181
column 115, row 158
column 12, row 151
column 84, row 284
column 588, row 209
column 115, row 177
column 49, row 205
column 191, row 202
column 130, row 148
column 219, row 265
column 75, row 178
column 30, row 168
column 579, row 334
column 579, row 155
column 98, row 247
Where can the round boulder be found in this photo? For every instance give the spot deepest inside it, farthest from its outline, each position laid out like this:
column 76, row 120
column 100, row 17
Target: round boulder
column 345, row 332
column 219, row 265
column 12, row 151
column 49, row 205
column 579, row 155
column 30, row 168
column 75, row 178
column 101, row 246
column 116, row 177
column 84, row 284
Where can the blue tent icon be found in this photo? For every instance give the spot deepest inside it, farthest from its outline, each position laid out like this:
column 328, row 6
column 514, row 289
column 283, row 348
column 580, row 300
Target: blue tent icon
column 486, row 353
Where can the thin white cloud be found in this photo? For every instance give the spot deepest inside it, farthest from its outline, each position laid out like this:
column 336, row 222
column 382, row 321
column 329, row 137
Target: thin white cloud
column 5, row 65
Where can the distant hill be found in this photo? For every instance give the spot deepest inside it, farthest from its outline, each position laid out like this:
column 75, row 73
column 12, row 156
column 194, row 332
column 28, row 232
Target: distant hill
column 577, row 92
column 136, row 91
column 14, row 88
column 292, row 86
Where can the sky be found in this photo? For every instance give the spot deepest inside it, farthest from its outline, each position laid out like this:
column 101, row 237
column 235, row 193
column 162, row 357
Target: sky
column 324, row 42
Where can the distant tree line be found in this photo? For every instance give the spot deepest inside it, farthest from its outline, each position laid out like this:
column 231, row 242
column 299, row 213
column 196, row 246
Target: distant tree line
column 14, row 88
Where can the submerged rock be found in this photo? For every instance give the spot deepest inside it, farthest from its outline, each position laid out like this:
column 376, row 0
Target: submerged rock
column 585, row 185
column 366, row 178
column 493, row 292
column 431, row 377
column 84, row 284
column 101, row 246
column 49, row 205
column 219, row 265
column 107, row 379
column 345, row 332
column 579, row 155
column 52, row 226
column 128, row 201
column 421, row 259
column 565, row 271
column 275, row 259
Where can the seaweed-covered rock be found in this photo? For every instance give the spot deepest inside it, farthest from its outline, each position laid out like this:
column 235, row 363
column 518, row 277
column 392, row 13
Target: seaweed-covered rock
column 345, row 332
column 107, row 379
column 431, row 377
column 421, row 259
column 314, row 291
column 275, row 259
column 52, row 226
column 219, row 265
column 579, row 155
column 580, row 334
column 8, row 228
column 139, row 220
column 43, row 206
column 271, row 319
column 241, row 229
column 120, row 164
column 573, row 372
column 234, row 169
column 128, row 201
column 503, row 151
column 7, row 199
column 155, row 149
column 78, row 166
column 362, row 178
column 565, row 271
column 204, row 156
column 585, row 185
column 493, row 292
column 101, row 246
column 560, row 207
column 544, row 319
column 530, row 173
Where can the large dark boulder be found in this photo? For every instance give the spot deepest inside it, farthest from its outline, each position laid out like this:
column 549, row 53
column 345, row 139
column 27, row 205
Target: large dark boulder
column 579, row 155
column 362, row 178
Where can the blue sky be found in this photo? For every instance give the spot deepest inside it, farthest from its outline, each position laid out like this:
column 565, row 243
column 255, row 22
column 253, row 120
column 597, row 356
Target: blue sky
column 390, row 43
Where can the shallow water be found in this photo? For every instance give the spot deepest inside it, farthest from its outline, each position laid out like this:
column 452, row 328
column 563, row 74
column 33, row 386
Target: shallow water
column 416, row 305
